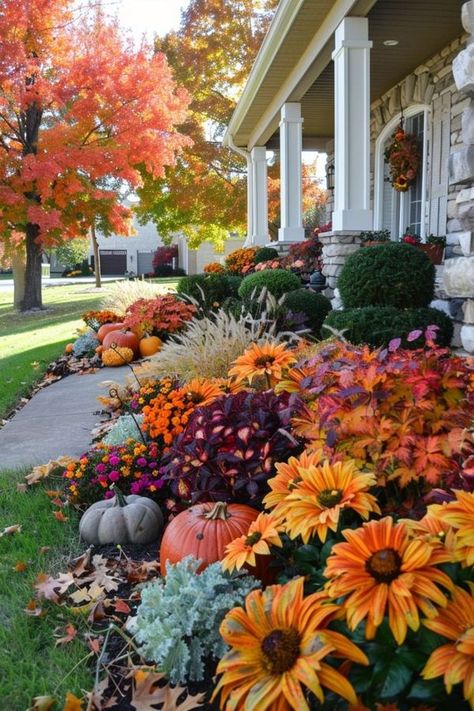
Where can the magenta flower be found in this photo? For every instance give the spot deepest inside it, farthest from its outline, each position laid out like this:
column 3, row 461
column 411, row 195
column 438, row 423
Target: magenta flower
column 100, row 468
column 114, row 460
column 114, row 475
column 142, row 462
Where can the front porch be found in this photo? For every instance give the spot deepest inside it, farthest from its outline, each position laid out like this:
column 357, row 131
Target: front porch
column 339, row 78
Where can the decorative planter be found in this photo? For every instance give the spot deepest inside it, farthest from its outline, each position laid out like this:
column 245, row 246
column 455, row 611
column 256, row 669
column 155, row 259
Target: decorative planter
column 373, row 243
column 434, row 252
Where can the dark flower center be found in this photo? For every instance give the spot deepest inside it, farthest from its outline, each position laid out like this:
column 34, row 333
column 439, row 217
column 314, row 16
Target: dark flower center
column 195, row 397
column 384, row 566
column 281, row 649
column 329, row 497
column 253, row 538
column 264, row 361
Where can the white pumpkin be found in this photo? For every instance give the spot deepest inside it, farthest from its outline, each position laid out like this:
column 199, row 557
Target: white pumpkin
column 122, row 519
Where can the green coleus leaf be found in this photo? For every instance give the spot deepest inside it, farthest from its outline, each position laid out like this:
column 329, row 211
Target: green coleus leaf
column 397, row 677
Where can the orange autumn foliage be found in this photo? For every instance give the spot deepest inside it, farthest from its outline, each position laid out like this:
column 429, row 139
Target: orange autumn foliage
column 403, row 415
column 79, row 106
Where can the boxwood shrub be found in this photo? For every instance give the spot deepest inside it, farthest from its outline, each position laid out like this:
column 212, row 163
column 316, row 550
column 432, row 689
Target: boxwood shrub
column 277, row 281
column 216, row 288
column 315, row 307
column 377, row 325
column 265, row 254
column 392, row 274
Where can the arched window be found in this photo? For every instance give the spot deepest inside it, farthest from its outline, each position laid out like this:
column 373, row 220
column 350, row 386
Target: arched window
column 397, row 211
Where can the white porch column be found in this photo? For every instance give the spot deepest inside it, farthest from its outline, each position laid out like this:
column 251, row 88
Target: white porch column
column 250, row 197
column 260, row 196
column 291, row 146
column 351, row 126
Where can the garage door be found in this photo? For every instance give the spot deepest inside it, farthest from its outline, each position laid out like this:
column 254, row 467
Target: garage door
column 113, row 262
column 145, row 263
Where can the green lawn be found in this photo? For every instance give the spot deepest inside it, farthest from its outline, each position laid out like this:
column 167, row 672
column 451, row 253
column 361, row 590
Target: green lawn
column 29, row 342
column 31, row 664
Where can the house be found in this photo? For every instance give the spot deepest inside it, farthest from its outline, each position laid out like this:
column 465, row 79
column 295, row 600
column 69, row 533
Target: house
column 340, row 76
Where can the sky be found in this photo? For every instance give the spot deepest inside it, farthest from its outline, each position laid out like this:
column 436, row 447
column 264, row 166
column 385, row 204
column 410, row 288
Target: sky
column 149, row 16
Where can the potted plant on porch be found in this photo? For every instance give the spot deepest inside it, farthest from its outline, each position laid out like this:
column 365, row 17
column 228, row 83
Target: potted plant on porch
column 433, row 247
column 372, row 238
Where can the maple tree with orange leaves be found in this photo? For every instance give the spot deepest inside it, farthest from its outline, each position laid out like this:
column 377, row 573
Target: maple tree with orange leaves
column 81, row 109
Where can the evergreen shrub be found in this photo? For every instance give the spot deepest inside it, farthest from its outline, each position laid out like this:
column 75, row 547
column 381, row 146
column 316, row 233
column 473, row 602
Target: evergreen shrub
column 392, row 274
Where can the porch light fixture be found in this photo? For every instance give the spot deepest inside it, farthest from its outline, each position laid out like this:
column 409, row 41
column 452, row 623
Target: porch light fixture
column 330, row 176
column 391, row 43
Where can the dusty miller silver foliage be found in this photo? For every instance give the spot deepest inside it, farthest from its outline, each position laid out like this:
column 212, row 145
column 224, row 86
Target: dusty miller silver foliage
column 179, row 617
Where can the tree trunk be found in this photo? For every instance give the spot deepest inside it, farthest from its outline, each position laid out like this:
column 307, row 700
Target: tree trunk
column 18, row 267
column 95, row 247
column 34, row 252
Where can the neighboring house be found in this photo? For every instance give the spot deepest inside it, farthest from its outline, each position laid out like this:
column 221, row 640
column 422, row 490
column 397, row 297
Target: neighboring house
column 335, row 76
column 132, row 254
column 193, row 261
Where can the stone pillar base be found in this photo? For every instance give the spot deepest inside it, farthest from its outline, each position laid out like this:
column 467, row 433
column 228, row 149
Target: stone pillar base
column 337, row 246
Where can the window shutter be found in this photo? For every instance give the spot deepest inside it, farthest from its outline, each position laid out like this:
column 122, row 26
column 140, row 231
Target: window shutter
column 440, row 145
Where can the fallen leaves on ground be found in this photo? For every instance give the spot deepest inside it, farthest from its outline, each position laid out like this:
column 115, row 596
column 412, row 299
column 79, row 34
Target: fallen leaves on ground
column 70, row 634
column 42, row 703
column 10, row 530
column 147, row 692
column 72, row 703
column 20, row 566
column 59, row 516
column 42, row 471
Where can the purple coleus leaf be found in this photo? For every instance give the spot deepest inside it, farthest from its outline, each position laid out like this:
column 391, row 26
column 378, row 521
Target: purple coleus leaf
column 413, row 335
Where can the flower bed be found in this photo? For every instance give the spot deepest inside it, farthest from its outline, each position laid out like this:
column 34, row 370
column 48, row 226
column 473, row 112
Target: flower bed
column 342, row 476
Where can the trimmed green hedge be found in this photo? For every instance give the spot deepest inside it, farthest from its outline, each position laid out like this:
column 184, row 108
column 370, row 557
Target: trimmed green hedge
column 216, row 288
column 392, row 274
column 277, row 281
column 315, row 306
column 264, row 254
column 377, row 325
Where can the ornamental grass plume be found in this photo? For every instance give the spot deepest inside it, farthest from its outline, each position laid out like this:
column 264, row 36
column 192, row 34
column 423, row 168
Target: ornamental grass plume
column 321, row 494
column 122, row 294
column 263, row 533
column 454, row 661
column 208, row 346
column 279, row 645
column 380, row 570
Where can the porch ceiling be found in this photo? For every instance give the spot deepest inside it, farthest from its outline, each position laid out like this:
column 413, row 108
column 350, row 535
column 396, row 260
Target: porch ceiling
column 422, row 28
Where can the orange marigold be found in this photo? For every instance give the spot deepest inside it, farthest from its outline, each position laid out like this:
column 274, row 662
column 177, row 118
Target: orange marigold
column 380, row 568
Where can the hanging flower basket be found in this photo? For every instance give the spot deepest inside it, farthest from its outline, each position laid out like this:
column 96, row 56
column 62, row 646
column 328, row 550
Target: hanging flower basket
column 403, row 157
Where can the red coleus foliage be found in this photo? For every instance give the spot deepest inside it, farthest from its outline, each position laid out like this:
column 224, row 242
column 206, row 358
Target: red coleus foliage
column 229, row 447
column 161, row 316
column 402, row 414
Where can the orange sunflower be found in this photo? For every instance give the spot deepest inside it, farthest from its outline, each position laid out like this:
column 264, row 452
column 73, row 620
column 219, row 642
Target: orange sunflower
column 459, row 514
column 288, row 474
column 379, row 568
column 454, row 661
column 278, row 644
column 262, row 533
column 263, row 359
column 316, row 501
column 201, row 392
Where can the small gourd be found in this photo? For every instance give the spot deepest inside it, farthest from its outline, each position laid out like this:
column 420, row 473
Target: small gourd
column 149, row 345
column 115, row 357
column 123, row 519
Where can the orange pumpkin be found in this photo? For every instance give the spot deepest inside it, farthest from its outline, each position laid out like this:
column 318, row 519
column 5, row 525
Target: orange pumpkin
column 123, row 339
column 69, row 347
column 149, row 345
column 107, row 327
column 204, row 530
column 99, row 350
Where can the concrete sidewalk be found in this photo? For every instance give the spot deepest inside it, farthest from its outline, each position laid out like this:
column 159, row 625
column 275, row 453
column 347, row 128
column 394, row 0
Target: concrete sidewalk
column 57, row 420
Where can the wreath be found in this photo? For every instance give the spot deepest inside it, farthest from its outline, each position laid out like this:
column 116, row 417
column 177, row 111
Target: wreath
column 403, row 157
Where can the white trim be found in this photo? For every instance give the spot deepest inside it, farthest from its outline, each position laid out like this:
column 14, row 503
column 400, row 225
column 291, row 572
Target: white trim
column 379, row 165
column 312, row 63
